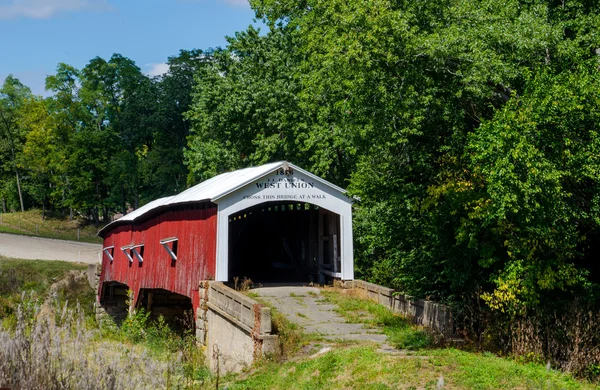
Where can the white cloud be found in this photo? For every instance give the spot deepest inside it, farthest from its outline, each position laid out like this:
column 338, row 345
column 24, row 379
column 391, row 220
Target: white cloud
column 238, row 3
column 43, row 9
column 235, row 3
column 157, row 69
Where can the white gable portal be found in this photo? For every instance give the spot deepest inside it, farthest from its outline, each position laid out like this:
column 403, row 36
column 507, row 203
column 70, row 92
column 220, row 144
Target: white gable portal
column 287, row 184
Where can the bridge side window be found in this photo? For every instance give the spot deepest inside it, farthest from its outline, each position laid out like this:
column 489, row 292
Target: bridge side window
column 109, row 252
column 138, row 252
column 127, row 250
column 170, row 245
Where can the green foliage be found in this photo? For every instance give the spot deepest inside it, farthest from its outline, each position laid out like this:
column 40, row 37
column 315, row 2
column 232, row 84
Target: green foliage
column 13, row 100
column 109, row 138
column 536, row 167
column 244, row 106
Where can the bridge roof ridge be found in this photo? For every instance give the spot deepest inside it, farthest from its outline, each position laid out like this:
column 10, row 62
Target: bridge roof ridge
column 213, row 189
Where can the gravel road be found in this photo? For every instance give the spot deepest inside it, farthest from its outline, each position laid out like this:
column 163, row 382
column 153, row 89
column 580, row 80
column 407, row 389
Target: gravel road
column 36, row 248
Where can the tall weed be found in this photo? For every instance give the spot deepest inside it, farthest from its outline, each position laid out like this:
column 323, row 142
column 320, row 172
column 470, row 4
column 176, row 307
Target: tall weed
column 60, row 352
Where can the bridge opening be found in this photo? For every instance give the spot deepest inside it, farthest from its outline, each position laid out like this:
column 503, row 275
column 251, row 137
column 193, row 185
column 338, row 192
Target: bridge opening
column 114, row 300
column 176, row 309
column 284, row 242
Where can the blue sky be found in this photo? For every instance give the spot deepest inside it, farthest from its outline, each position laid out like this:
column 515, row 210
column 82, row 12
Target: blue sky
column 35, row 35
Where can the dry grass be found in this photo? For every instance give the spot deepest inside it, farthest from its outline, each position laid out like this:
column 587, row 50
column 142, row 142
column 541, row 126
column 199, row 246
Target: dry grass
column 244, row 284
column 48, row 342
column 59, row 351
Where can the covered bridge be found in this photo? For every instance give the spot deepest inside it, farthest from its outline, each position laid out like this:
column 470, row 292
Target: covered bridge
column 272, row 223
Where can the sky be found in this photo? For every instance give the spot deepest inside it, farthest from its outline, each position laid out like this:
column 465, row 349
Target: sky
column 36, row 35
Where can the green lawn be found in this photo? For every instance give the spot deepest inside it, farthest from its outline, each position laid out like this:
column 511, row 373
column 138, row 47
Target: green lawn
column 362, row 367
column 34, row 278
column 30, row 223
column 400, row 332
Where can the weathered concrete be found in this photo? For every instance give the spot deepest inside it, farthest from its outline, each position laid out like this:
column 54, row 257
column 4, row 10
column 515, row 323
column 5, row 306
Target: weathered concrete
column 422, row 312
column 93, row 275
column 37, row 248
column 303, row 306
column 235, row 328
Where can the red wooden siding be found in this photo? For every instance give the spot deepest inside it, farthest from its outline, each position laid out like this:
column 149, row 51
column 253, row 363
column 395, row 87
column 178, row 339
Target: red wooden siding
column 196, row 253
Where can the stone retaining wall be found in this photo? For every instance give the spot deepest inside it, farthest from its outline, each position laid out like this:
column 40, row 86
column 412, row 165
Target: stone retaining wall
column 426, row 313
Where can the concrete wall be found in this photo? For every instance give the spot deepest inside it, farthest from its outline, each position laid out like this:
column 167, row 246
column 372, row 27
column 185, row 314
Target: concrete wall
column 426, row 313
column 93, row 275
column 235, row 329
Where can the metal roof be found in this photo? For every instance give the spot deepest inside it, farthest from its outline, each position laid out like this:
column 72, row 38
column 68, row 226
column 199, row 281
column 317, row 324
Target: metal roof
column 213, row 189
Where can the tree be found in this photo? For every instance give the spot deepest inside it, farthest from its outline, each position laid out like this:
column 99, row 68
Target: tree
column 163, row 171
column 39, row 149
column 69, row 116
column 245, row 108
column 12, row 99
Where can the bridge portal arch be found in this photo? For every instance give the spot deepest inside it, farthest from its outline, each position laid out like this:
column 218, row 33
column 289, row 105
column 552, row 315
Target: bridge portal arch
column 284, row 242
column 287, row 225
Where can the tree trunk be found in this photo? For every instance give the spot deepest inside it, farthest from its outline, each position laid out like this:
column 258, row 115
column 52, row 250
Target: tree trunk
column 123, row 202
column 19, row 190
column 105, row 215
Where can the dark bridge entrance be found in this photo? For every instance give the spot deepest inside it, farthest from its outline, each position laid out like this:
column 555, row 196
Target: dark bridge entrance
column 284, row 242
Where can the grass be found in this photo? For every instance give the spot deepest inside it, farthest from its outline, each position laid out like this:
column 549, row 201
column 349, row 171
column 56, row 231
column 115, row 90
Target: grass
column 36, row 277
column 417, row 365
column 400, row 332
column 291, row 337
column 17, row 275
column 30, row 223
column 174, row 361
column 362, row 367
column 60, row 349
column 159, row 342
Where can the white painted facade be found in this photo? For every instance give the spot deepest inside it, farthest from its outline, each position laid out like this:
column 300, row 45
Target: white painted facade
column 293, row 185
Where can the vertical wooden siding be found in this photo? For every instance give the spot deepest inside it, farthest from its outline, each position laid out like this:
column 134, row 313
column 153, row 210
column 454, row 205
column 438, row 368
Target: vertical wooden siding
column 196, row 253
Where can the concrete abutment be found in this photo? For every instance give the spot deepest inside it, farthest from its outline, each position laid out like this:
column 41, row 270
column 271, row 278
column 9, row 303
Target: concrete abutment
column 234, row 329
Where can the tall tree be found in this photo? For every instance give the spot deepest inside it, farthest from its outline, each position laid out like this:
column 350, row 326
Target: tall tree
column 163, row 171
column 13, row 95
column 246, row 112
column 38, row 156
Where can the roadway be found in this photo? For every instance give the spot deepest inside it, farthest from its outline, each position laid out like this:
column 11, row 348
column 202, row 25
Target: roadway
column 37, row 248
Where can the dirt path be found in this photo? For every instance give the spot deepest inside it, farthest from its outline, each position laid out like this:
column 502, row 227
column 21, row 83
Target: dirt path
column 36, row 248
column 305, row 306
